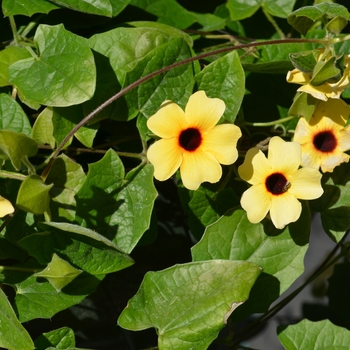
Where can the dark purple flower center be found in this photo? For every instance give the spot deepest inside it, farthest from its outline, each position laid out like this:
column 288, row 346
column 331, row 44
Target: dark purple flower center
column 190, row 139
column 325, row 141
column 277, row 183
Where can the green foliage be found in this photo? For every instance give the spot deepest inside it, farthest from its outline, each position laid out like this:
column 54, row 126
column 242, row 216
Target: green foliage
column 318, row 335
column 79, row 82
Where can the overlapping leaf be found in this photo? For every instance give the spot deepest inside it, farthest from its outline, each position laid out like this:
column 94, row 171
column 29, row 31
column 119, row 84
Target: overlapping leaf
column 63, row 73
column 224, row 78
column 120, row 208
column 279, row 253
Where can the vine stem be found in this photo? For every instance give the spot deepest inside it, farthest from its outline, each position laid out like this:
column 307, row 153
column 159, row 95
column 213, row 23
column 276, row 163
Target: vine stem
column 274, row 23
column 14, row 30
column 274, row 122
column 259, row 322
column 166, row 69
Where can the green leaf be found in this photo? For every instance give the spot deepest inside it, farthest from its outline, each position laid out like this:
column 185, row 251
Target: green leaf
column 42, row 131
column 13, row 334
column 188, row 304
column 119, row 208
column 33, row 195
column 324, row 71
column 304, row 61
column 304, row 18
column 59, row 272
column 67, row 178
column 12, row 116
column 336, row 25
column 62, row 338
column 303, row 105
column 9, row 250
column 83, row 248
column 100, row 7
column 118, row 52
column 243, row 9
column 16, row 147
column 225, row 79
column 204, row 208
column 164, row 28
column 210, row 22
column 9, row 56
column 168, row 12
column 175, row 85
column 62, row 75
column 41, row 300
column 279, row 253
column 27, row 7
column 65, row 119
column 307, row 335
column 334, row 203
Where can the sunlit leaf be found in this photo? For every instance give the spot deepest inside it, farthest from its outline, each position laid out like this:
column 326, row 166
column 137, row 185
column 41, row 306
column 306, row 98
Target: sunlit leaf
column 33, row 195
column 59, row 272
column 13, row 334
column 63, row 74
column 307, row 335
column 188, row 304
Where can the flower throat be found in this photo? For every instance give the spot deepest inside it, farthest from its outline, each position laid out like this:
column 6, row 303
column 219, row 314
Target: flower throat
column 190, row 139
column 325, row 141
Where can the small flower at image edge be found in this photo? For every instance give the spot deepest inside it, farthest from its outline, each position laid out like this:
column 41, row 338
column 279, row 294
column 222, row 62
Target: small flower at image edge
column 277, row 183
column 324, row 139
column 325, row 90
column 191, row 140
column 5, row 207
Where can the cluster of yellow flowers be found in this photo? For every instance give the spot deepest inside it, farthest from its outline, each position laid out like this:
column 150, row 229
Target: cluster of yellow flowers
column 191, row 140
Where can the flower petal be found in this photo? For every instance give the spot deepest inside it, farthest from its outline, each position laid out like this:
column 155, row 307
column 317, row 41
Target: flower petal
column 328, row 163
column 5, row 207
column 255, row 168
column 166, row 156
column 256, row 201
column 306, row 184
column 198, row 167
column 204, row 112
column 297, row 77
column 284, row 210
column 319, row 93
column 221, row 142
column 284, row 156
column 303, row 132
column 168, row 121
column 334, row 111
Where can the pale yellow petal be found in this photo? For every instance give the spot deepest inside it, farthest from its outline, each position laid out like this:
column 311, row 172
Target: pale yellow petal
column 256, row 201
column 335, row 111
column 198, row 167
column 285, row 209
column 168, row 121
column 166, row 156
column 5, row 207
column 306, row 184
column 310, row 156
column 297, row 77
column 317, row 93
column 204, row 112
column 329, row 162
column 284, row 156
column 303, row 132
column 344, row 139
column 221, row 142
column 255, row 168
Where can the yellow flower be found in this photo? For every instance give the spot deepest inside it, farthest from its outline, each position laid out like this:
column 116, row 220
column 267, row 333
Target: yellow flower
column 324, row 139
column 5, row 207
column 191, row 140
column 325, row 90
column 277, row 183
